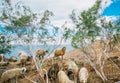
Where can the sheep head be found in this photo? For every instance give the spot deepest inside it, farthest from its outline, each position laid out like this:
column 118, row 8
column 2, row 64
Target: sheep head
column 23, row 70
column 63, row 49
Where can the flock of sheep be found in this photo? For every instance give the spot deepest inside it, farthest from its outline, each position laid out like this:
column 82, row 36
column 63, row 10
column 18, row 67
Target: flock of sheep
column 69, row 72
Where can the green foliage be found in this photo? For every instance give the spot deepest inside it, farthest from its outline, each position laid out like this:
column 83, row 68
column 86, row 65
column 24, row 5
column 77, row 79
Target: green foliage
column 22, row 21
column 45, row 19
column 25, row 24
column 5, row 45
column 86, row 26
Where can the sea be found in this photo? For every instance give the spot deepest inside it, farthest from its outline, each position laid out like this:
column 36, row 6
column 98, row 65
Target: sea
column 25, row 48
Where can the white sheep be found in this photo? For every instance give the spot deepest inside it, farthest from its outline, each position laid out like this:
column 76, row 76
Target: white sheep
column 2, row 57
column 12, row 73
column 63, row 78
column 83, row 75
column 23, row 58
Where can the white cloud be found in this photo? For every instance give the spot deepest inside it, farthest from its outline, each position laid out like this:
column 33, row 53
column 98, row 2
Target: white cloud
column 104, row 4
column 61, row 8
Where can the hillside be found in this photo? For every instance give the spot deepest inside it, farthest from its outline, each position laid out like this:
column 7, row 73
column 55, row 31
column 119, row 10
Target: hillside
column 111, row 69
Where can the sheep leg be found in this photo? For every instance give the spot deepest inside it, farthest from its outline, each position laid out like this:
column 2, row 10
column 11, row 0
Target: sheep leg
column 62, row 57
column 16, row 79
column 52, row 60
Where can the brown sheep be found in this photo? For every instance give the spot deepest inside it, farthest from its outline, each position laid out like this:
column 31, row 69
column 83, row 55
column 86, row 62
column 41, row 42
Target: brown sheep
column 12, row 59
column 60, row 52
column 83, row 75
column 63, row 78
column 23, row 58
column 40, row 53
column 12, row 73
column 53, row 71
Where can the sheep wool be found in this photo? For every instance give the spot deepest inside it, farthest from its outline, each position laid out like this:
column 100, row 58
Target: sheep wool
column 23, row 58
column 9, row 74
column 23, row 55
column 63, row 78
column 83, row 75
column 1, row 57
column 40, row 53
column 60, row 52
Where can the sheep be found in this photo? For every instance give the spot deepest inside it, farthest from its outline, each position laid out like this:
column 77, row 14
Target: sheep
column 40, row 53
column 23, row 58
column 70, row 74
column 2, row 58
column 4, row 63
column 83, row 75
column 12, row 59
column 63, row 78
column 71, row 65
column 60, row 52
column 53, row 71
column 12, row 73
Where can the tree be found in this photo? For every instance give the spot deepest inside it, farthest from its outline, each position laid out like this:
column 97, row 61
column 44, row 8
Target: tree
column 87, row 28
column 26, row 27
column 5, row 45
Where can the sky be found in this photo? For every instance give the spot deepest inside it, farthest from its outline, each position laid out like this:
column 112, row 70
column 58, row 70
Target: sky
column 113, row 9
column 63, row 8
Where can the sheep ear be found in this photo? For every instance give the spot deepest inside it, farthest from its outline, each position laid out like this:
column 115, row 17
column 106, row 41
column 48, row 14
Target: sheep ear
column 23, row 70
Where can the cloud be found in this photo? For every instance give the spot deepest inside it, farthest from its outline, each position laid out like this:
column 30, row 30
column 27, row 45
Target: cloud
column 61, row 8
column 105, row 4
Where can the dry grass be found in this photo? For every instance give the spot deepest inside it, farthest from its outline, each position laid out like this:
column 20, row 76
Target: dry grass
column 111, row 70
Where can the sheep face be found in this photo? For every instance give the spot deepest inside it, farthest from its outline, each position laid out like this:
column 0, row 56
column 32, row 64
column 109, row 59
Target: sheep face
column 20, row 53
column 70, row 74
column 52, row 73
column 64, row 48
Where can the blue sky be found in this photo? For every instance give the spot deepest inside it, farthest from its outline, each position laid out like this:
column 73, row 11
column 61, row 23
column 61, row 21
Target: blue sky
column 113, row 9
column 63, row 8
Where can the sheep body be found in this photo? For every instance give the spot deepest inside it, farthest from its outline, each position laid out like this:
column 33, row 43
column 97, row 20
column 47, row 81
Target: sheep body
column 12, row 59
column 63, row 78
column 83, row 75
column 23, row 58
column 2, row 59
column 9, row 74
column 23, row 55
column 60, row 52
column 53, row 71
column 71, row 65
column 40, row 53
